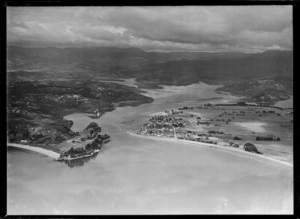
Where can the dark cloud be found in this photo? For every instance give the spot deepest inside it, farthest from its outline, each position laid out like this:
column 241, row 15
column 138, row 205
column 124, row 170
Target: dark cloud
column 196, row 28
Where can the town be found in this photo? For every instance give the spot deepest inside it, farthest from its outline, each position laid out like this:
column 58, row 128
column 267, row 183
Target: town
column 205, row 123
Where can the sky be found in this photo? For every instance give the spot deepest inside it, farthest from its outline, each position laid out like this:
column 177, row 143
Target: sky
column 170, row 28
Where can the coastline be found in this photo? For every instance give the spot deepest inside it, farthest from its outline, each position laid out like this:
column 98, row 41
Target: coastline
column 46, row 152
column 75, row 158
column 39, row 150
column 225, row 149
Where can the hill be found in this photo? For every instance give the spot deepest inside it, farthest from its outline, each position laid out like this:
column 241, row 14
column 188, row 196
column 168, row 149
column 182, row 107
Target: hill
column 166, row 68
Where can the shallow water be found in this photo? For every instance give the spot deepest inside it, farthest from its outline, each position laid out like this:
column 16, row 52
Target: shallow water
column 141, row 176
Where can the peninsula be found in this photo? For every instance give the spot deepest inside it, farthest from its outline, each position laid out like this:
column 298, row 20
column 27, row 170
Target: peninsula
column 235, row 126
column 36, row 110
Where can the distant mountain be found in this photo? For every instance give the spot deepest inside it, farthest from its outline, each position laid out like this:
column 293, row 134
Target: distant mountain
column 104, row 53
column 271, row 64
column 165, row 68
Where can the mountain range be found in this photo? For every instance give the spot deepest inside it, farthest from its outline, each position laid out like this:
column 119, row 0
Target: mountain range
column 165, row 68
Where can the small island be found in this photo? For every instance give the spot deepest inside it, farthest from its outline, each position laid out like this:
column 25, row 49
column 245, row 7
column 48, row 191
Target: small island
column 36, row 111
column 90, row 143
column 85, row 144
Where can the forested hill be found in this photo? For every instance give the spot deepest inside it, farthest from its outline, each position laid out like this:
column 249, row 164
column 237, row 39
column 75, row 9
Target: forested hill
column 266, row 65
column 166, row 68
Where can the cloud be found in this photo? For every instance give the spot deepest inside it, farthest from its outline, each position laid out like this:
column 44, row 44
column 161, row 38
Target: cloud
column 193, row 28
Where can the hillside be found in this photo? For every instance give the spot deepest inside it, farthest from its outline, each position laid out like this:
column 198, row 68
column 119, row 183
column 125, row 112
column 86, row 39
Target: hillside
column 165, row 68
column 36, row 108
column 265, row 65
column 151, row 69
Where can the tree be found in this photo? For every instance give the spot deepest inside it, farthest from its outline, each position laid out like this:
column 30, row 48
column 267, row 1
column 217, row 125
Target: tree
column 251, row 148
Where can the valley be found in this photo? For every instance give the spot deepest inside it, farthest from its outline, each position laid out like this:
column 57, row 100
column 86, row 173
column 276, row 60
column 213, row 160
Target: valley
column 38, row 102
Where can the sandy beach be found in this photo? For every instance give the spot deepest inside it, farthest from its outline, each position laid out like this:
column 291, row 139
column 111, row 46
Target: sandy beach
column 137, row 175
column 223, row 148
column 43, row 151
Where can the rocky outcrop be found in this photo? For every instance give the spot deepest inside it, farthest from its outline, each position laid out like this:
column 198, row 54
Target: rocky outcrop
column 92, row 130
column 103, row 137
column 93, row 126
column 79, row 162
column 251, row 148
column 81, row 152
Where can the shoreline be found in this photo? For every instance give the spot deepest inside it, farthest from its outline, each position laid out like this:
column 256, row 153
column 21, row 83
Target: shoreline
column 39, row 150
column 225, row 149
column 48, row 153
column 75, row 158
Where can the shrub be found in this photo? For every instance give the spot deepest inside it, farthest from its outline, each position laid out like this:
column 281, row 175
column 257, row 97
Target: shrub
column 236, row 138
column 251, row 148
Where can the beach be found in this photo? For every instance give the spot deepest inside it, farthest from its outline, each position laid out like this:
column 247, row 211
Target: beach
column 223, row 148
column 39, row 150
column 135, row 174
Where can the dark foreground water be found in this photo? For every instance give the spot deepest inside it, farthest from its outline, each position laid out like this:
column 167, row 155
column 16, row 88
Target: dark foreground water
column 133, row 175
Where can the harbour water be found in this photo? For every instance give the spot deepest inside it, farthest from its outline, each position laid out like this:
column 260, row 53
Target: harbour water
column 132, row 175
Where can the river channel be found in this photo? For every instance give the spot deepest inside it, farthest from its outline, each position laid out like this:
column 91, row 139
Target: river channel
column 132, row 175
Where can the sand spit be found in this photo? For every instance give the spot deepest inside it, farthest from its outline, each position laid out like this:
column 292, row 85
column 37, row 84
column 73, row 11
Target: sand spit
column 43, row 151
column 223, row 148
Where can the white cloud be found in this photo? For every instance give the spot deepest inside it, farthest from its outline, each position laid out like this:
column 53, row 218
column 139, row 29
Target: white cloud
column 169, row 28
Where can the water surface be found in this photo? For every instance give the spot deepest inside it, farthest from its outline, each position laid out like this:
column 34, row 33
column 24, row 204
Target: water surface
column 142, row 176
